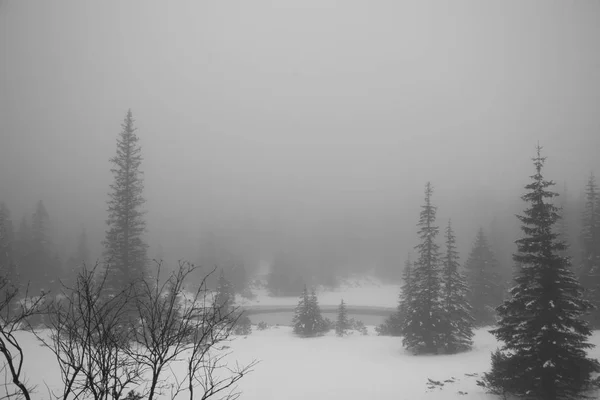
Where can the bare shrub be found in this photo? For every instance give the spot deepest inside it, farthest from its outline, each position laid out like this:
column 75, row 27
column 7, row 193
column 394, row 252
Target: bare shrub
column 14, row 315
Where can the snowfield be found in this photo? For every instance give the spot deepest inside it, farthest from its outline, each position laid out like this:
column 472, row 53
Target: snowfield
column 328, row 367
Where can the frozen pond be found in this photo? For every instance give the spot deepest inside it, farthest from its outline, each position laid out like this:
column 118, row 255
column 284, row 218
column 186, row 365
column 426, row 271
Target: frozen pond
column 285, row 317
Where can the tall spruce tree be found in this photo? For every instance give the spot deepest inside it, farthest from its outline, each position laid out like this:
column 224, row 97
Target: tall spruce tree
column 590, row 243
column 458, row 323
column 125, row 248
column 484, row 281
column 541, row 323
column 423, row 328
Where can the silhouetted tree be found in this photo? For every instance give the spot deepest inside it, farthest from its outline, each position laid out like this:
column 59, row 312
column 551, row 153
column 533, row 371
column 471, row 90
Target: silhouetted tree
column 458, row 322
column 125, row 248
column 422, row 329
column 484, row 281
column 541, row 324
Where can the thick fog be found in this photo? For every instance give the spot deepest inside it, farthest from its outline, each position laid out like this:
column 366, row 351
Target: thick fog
column 307, row 127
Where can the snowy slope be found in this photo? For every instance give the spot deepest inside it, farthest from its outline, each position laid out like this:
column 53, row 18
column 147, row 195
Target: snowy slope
column 332, row 368
column 328, row 367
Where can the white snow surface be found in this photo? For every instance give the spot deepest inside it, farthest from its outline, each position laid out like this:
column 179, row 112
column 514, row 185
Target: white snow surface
column 328, row 367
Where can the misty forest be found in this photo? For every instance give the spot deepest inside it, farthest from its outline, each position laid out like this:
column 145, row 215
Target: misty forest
column 299, row 200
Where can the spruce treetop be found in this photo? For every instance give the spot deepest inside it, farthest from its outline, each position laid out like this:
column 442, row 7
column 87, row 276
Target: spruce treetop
column 125, row 248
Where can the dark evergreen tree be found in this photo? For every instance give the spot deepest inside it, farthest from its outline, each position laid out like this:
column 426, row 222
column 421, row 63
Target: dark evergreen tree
column 422, row 328
column 225, row 295
column 590, row 244
column 125, row 248
column 486, row 289
column 342, row 325
column 541, row 323
column 458, row 323
column 7, row 260
column 307, row 318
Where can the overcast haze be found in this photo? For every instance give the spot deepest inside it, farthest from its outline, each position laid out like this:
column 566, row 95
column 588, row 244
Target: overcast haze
column 302, row 119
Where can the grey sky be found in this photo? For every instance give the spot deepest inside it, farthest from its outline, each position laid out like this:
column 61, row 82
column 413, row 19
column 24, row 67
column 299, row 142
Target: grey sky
column 297, row 111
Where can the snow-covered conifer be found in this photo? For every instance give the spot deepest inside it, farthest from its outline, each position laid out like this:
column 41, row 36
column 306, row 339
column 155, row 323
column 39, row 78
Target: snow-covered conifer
column 422, row 328
column 307, row 317
column 458, row 322
column 541, row 323
column 125, row 248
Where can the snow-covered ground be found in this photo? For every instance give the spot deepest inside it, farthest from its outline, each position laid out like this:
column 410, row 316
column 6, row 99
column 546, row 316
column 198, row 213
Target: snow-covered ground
column 360, row 291
column 332, row 368
column 328, row 367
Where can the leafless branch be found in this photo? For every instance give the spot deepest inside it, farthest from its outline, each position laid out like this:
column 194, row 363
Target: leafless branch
column 90, row 339
column 14, row 316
